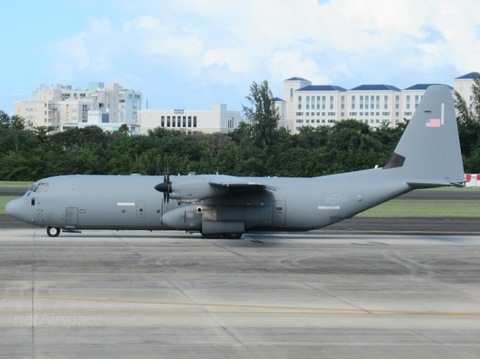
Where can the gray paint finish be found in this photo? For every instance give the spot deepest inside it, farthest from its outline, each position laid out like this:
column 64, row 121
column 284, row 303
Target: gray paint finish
column 427, row 155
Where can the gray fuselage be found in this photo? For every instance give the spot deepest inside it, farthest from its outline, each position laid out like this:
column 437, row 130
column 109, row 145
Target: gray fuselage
column 131, row 202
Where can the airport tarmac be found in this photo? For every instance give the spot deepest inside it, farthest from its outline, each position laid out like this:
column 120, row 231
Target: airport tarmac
column 175, row 295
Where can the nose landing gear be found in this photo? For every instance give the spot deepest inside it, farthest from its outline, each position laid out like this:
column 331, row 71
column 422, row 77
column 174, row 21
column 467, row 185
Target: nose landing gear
column 53, row 232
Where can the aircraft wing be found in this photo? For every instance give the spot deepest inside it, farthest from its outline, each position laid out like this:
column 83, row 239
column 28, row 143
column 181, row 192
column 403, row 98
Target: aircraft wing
column 195, row 188
column 234, row 182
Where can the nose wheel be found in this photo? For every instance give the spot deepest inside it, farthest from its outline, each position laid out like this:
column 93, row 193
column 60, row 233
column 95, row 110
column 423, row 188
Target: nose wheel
column 53, row 232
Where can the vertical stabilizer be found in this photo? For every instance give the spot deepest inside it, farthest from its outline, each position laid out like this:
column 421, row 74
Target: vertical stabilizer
column 429, row 150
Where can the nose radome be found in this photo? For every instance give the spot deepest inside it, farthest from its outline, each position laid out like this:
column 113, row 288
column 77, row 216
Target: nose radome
column 15, row 208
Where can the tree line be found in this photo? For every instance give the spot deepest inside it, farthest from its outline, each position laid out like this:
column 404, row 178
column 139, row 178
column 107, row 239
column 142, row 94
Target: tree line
column 256, row 148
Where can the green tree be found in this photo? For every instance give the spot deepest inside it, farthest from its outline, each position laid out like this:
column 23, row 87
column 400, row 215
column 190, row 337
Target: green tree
column 468, row 120
column 263, row 114
column 11, row 123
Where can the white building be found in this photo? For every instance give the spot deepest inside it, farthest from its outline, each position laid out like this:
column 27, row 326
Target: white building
column 63, row 107
column 463, row 85
column 218, row 119
column 305, row 104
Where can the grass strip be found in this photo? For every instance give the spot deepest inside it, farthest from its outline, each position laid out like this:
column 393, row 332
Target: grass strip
column 26, row 184
column 424, row 208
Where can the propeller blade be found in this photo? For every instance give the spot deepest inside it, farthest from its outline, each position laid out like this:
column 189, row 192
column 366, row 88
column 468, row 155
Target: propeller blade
column 165, row 186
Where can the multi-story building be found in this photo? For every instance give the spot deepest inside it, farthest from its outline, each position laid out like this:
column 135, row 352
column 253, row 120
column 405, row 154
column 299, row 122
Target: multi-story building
column 218, row 119
column 463, row 85
column 305, row 104
column 62, row 107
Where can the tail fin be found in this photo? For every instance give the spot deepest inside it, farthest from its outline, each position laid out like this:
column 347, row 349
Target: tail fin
column 428, row 153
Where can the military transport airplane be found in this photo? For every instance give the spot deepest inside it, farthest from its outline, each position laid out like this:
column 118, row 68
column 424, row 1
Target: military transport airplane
column 427, row 155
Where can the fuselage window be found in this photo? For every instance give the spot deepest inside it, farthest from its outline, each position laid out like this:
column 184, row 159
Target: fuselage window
column 33, row 201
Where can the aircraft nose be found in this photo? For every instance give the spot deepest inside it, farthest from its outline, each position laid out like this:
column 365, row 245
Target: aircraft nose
column 15, row 208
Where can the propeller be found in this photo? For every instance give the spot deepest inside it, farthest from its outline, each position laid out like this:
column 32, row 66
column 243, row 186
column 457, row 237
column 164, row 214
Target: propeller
column 165, row 186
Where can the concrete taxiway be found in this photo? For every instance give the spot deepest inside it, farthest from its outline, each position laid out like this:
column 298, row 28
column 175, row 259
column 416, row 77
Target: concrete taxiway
column 175, row 295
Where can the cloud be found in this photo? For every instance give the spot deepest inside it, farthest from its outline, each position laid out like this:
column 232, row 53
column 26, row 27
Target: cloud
column 220, row 43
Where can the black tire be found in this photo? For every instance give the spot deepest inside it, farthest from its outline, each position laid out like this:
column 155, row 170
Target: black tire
column 211, row 235
column 232, row 235
column 53, row 231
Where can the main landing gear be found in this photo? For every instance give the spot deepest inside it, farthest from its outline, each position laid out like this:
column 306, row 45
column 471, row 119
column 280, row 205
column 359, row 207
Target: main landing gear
column 224, row 235
column 53, row 232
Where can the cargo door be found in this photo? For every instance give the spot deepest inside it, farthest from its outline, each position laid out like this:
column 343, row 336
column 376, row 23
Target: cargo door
column 71, row 217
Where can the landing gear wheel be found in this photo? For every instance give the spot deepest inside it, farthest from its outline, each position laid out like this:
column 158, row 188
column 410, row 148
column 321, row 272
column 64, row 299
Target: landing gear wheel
column 53, row 232
column 211, row 235
column 232, row 235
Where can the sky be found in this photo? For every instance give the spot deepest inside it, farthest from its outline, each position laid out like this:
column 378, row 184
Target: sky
column 196, row 53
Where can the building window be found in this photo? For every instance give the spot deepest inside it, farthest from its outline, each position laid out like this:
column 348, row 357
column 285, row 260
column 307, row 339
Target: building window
column 324, row 98
column 168, row 121
column 194, row 121
column 342, row 102
column 291, row 95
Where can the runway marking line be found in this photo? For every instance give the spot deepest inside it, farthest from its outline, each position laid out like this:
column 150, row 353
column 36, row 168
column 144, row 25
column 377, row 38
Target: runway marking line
column 287, row 310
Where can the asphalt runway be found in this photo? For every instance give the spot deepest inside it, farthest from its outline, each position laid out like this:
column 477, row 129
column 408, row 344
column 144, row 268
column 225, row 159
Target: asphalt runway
column 359, row 225
column 125, row 294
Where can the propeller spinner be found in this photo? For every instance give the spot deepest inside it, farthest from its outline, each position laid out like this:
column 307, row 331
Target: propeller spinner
column 165, row 186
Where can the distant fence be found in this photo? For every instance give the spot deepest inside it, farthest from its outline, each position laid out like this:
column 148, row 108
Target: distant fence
column 472, row 180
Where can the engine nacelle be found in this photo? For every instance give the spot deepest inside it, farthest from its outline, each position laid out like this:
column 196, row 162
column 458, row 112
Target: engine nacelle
column 185, row 217
column 196, row 189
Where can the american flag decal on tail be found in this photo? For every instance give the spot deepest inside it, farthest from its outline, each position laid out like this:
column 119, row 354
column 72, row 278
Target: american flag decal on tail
column 432, row 122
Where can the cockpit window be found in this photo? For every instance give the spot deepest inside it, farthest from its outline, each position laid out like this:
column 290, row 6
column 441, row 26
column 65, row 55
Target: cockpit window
column 42, row 187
